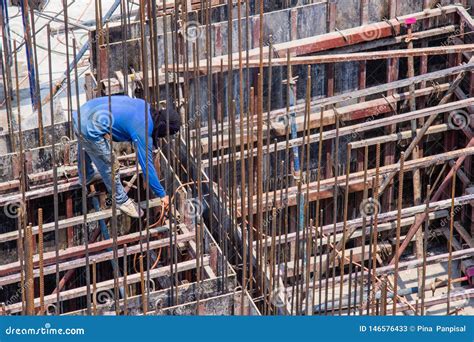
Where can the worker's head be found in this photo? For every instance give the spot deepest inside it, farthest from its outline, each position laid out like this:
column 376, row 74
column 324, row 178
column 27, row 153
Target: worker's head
column 161, row 118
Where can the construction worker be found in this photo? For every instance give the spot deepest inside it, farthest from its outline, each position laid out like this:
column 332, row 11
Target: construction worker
column 127, row 118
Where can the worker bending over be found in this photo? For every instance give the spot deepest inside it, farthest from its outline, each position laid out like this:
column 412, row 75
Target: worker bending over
column 127, row 117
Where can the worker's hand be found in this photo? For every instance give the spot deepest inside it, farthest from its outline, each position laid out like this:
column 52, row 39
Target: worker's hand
column 165, row 201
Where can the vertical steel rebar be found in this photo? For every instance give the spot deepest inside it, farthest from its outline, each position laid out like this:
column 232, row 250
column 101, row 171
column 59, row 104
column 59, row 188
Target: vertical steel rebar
column 94, row 288
column 41, row 260
column 397, row 243
column 425, row 249
column 81, row 154
column 376, row 206
column 22, row 214
column 55, row 174
column 344, row 232
column 29, row 285
column 450, row 243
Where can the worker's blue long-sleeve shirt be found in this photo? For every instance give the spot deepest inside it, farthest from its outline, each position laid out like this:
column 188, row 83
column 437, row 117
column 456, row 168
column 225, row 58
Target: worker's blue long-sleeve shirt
column 128, row 124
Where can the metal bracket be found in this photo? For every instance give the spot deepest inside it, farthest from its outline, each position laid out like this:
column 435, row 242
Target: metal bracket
column 342, row 34
column 394, row 32
column 390, row 104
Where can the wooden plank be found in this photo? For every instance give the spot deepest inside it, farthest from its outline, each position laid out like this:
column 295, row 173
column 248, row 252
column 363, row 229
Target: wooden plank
column 430, row 260
column 343, row 38
column 74, row 221
column 290, row 237
column 161, row 298
column 398, row 136
column 455, row 295
column 464, row 14
column 334, row 100
column 77, row 251
column 356, row 182
column 357, row 128
column 108, row 284
column 342, row 58
column 348, row 112
column 101, row 257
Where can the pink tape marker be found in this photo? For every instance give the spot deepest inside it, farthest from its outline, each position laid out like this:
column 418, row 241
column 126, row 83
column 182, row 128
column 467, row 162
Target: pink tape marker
column 410, row 21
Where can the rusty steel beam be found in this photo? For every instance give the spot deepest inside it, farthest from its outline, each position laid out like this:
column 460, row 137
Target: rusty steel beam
column 342, row 38
column 79, row 251
column 344, row 58
column 356, row 179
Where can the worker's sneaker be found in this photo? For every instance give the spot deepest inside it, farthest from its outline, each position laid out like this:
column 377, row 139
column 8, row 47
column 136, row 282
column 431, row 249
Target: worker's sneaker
column 131, row 209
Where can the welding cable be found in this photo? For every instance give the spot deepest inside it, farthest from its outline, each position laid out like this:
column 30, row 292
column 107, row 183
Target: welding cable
column 158, row 257
column 160, row 220
column 238, row 211
column 182, row 186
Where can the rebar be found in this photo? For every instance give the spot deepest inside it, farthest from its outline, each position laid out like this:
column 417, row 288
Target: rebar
column 272, row 198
